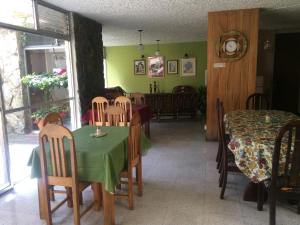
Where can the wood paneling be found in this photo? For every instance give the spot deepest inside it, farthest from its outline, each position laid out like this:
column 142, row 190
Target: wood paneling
column 234, row 82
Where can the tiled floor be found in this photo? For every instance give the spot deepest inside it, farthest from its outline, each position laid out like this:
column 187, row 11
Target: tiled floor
column 180, row 188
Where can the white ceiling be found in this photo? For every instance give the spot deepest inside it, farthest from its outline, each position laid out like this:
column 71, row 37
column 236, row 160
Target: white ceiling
column 173, row 20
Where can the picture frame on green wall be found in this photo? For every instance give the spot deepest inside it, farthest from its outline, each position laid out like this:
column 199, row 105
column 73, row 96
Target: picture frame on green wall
column 188, row 67
column 156, row 66
column 172, row 66
column 139, row 67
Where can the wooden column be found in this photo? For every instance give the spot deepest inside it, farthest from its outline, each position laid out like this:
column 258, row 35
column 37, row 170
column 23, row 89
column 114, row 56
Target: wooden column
column 237, row 79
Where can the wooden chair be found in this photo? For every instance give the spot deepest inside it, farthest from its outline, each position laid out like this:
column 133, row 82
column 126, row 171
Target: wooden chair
column 257, row 101
column 116, row 116
column 219, row 153
column 124, row 103
column 134, row 160
column 54, row 118
column 227, row 163
column 289, row 181
column 99, row 104
column 138, row 98
column 57, row 138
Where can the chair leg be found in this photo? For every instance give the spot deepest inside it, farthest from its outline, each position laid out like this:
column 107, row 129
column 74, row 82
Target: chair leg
column 224, row 183
column 69, row 196
column 80, row 198
column 221, row 178
column 260, row 196
column 218, row 154
column 298, row 210
column 76, row 209
column 130, row 190
column 139, row 177
column 220, row 163
column 48, row 216
column 51, row 193
column 272, row 202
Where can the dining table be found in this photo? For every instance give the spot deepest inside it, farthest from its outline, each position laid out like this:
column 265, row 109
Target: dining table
column 99, row 160
column 144, row 111
column 252, row 140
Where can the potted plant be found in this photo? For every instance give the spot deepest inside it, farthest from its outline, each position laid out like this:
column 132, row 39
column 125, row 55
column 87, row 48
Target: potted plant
column 46, row 82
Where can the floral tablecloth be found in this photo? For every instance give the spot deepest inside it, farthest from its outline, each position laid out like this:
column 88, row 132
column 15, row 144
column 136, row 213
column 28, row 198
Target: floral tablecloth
column 252, row 139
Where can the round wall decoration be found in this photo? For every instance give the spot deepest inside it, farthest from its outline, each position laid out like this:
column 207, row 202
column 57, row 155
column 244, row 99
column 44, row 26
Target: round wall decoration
column 231, row 45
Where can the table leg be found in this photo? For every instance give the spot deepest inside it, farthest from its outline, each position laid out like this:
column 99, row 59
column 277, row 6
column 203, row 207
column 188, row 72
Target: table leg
column 256, row 193
column 147, row 129
column 108, row 207
column 41, row 196
column 97, row 191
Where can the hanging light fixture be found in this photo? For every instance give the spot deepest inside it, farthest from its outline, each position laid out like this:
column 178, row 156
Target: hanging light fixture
column 141, row 46
column 157, row 53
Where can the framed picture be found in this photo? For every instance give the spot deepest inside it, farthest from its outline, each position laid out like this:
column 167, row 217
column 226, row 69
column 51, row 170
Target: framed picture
column 172, row 66
column 140, row 67
column 188, row 67
column 156, row 66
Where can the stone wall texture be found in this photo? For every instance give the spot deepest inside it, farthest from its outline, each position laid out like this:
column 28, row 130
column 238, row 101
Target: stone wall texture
column 89, row 59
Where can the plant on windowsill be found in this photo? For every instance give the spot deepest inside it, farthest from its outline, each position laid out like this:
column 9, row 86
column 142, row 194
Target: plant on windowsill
column 46, row 82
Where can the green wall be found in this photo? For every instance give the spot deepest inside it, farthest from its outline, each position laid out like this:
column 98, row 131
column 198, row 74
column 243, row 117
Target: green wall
column 120, row 66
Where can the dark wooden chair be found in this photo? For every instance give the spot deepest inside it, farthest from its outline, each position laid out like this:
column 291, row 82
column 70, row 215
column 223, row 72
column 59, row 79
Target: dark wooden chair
column 257, row 101
column 219, row 153
column 289, row 181
column 134, row 161
column 63, row 170
column 227, row 163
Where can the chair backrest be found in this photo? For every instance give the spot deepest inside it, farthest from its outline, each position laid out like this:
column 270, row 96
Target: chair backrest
column 221, row 129
column 125, row 104
column 53, row 118
column 134, row 140
column 116, row 116
column 287, row 150
column 257, row 101
column 138, row 98
column 99, row 104
column 55, row 138
column 218, row 108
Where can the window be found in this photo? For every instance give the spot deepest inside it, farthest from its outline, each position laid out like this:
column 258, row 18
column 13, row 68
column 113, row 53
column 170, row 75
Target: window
column 17, row 12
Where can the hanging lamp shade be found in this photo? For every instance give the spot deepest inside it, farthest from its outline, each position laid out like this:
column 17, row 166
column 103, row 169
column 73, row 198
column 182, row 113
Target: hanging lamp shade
column 157, row 53
column 140, row 45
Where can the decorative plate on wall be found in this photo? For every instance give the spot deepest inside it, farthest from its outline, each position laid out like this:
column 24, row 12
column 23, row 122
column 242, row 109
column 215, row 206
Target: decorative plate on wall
column 231, row 45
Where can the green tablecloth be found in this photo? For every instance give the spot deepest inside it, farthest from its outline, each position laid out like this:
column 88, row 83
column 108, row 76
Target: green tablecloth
column 98, row 159
column 252, row 140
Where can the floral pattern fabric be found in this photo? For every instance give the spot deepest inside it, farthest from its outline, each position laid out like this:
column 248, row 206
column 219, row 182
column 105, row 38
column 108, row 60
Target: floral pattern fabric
column 252, row 139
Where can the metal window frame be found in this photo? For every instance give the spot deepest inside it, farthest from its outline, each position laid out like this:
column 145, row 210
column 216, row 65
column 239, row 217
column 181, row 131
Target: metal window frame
column 36, row 29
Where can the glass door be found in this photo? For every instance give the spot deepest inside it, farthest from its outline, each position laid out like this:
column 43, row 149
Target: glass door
column 5, row 182
column 36, row 80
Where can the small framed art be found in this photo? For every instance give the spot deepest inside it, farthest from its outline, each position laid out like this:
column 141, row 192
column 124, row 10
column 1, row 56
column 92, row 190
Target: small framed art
column 172, row 66
column 188, row 67
column 156, row 66
column 140, row 67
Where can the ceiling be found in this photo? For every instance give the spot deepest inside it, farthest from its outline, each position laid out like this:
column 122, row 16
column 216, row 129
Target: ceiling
column 173, row 20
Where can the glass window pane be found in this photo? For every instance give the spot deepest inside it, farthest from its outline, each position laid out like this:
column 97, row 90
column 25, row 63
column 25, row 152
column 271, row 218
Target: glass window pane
column 52, row 20
column 17, row 12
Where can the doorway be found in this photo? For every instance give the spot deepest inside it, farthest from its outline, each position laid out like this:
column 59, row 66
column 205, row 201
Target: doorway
column 286, row 89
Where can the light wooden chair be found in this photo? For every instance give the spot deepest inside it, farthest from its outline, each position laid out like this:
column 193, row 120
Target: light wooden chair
column 134, row 161
column 126, row 104
column 138, row 98
column 116, row 116
column 99, row 104
column 57, row 138
column 54, row 118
